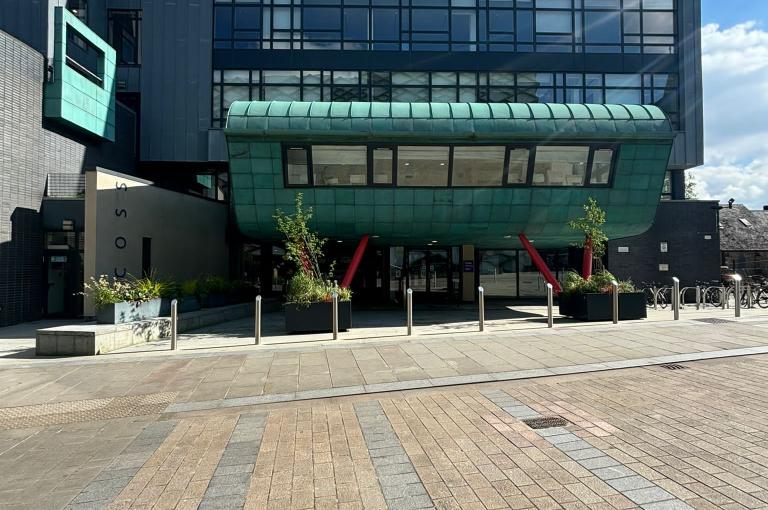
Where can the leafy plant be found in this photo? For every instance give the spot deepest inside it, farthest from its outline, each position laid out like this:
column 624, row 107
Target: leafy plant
column 149, row 287
column 188, row 288
column 105, row 292
column 591, row 225
column 304, row 248
column 598, row 283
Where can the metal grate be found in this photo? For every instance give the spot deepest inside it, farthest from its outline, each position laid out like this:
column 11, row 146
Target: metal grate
column 714, row 321
column 546, row 422
column 673, row 366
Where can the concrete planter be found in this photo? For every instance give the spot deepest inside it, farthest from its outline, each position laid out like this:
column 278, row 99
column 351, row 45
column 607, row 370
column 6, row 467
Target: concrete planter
column 129, row 311
column 317, row 317
column 599, row 307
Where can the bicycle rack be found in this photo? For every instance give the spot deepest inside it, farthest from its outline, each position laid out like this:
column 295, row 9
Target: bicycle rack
column 683, row 291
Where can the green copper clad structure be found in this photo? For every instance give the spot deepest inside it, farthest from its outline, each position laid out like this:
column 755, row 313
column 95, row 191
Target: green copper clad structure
column 72, row 97
column 483, row 216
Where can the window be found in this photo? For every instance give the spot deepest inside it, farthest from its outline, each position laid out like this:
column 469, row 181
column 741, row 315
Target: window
column 79, row 8
column 84, row 57
column 339, row 165
column 422, row 166
column 297, row 166
column 478, row 166
column 124, row 35
column 382, row 165
column 601, row 166
column 518, row 166
column 560, row 166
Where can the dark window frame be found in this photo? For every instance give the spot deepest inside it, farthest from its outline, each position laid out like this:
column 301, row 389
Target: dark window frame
column 531, row 147
column 136, row 17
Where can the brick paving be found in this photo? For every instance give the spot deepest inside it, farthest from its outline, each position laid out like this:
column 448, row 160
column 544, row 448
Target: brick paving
column 649, row 437
column 360, row 367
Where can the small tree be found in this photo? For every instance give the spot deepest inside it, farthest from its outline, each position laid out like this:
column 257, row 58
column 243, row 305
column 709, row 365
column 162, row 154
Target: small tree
column 304, row 248
column 591, row 225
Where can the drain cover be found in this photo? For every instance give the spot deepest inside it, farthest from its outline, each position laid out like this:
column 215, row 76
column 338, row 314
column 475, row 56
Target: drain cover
column 546, row 422
column 673, row 366
column 714, row 321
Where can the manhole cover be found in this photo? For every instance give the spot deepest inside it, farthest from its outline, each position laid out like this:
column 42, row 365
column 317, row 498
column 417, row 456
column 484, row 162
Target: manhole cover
column 714, row 321
column 546, row 422
column 673, row 366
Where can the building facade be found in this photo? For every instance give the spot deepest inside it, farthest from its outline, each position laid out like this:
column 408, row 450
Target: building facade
column 180, row 66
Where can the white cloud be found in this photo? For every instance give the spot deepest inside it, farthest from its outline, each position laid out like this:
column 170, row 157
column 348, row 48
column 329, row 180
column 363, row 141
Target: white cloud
column 735, row 70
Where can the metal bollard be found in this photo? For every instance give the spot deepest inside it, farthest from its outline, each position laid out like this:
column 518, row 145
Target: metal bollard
column 723, row 297
column 335, row 318
column 615, row 290
column 676, row 297
column 737, row 294
column 550, row 300
column 655, row 297
column 481, row 302
column 174, row 324
column 698, row 297
column 750, row 302
column 409, row 311
column 257, row 325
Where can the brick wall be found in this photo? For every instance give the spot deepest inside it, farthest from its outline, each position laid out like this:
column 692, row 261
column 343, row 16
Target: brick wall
column 28, row 153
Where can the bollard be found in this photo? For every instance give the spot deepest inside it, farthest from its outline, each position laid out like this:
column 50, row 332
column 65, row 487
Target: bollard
column 750, row 302
column 676, row 298
column 737, row 295
column 615, row 291
column 174, row 324
column 409, row 311
column 257, row 325
column 550, row 315
column 481, row 302
column 723, row 297
column 698, row 297
column 335, row 318
column 655, row 297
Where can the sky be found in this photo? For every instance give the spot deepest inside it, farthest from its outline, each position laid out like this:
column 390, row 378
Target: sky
column 735, row 71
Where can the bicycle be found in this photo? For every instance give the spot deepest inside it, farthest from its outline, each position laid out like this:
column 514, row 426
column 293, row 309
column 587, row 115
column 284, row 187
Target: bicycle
column 656, row 295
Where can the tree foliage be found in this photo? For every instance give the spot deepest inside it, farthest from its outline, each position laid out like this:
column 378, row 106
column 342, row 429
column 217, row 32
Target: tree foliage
column 304, row 248
column 591, row 225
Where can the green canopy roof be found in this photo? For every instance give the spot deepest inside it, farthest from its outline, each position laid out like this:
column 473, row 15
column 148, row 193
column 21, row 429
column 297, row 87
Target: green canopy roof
column 297, row 120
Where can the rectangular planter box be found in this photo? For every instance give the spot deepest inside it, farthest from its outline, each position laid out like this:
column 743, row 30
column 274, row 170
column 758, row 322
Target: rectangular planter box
column 317, row 317
column 599, row 307
column 129, row 311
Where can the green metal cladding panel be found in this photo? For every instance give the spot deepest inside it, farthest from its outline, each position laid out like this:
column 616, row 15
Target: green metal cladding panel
column 71, row 97
column 489, row 217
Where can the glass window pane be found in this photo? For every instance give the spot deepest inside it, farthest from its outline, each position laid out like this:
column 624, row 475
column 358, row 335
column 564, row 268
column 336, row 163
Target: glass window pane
column 560, row 166
column 382, row 165
column 385, row 25
column 622, row 96
column 422, row 166
column 603, row 27
column 601, row 166
column 296, row 162
column 558, row 22
column 658, row 23
column 478, row 166
column 339, row 165
column 498, row 272
column 518, row 166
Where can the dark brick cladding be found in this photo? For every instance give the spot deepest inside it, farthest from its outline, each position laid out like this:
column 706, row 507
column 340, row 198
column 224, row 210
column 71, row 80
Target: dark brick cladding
column 28, row 153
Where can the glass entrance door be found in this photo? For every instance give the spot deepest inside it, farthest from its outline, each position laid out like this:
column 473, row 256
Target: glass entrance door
column 429, row 272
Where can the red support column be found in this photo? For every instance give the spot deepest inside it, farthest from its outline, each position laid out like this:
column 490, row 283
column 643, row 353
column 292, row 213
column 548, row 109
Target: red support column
column 586, row 263
column 540, row 264
column 356, row 258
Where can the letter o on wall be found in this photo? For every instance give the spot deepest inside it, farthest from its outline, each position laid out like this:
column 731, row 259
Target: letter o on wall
column 120, row 242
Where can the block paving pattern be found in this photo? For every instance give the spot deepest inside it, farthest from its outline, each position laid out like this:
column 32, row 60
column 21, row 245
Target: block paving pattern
column 632, row 485
column 397, row 476
column 42, row 415
column 638, row 438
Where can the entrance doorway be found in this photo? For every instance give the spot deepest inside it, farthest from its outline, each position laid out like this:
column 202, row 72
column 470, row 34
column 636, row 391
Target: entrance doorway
column 430, row 273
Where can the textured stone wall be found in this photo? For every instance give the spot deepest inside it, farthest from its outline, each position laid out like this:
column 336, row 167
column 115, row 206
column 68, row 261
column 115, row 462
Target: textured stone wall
column 28, row 153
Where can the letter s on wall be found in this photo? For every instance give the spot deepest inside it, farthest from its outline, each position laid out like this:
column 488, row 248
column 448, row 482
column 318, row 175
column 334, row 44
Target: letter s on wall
column 121, row 212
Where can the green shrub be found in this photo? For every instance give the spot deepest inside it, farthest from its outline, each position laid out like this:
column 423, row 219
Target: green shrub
column 188, row 288
column 599, row 283
column 304, row 289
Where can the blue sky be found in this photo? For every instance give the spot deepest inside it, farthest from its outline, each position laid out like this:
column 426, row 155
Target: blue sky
column 735, row 74
column 730, row 12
